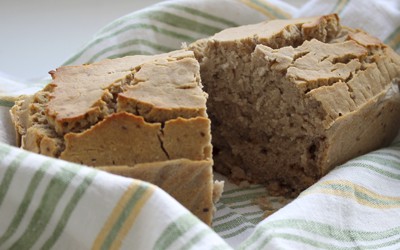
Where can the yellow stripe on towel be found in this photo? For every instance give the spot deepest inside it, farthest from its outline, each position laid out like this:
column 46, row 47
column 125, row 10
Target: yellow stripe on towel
column 131, row 218
column 118, row 209
column 355, row 192
column 340, row 5
column 395, row 40
column 267, row 9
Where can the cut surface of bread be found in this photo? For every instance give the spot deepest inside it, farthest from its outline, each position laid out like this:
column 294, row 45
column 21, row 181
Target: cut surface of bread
column 291, row 99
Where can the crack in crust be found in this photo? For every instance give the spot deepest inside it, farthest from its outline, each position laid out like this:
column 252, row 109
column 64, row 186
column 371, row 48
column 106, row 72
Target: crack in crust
column 83, row 99
column 81, row 96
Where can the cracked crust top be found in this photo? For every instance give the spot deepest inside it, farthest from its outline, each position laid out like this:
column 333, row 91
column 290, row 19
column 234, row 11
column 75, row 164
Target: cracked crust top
column 165, row 90
column 80, row 96
column 119, row 112
column 276, row 33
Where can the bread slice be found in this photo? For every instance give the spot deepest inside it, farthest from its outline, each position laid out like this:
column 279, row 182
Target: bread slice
column 119, row 112
column 138, row 109
column 291, row 99
column 189, row 182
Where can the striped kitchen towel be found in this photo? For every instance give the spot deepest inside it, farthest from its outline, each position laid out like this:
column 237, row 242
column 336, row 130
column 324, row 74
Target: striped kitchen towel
column 52, row 204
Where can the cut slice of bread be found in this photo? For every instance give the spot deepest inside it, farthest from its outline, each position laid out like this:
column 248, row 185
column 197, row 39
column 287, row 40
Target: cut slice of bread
column 122, row 111
column 143, row 111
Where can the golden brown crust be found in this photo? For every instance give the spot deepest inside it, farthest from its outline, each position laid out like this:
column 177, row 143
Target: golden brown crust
column 75, row 116
column 80, row 93
column 269, row 31
column 124, row 138
column 119, row 139
column 364, row 39
column 81, row 96
column 175, row 136
column 165, row 90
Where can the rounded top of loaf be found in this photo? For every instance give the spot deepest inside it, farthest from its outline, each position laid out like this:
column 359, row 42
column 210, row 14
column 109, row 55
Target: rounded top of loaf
column 82, row 95
column 284, row 28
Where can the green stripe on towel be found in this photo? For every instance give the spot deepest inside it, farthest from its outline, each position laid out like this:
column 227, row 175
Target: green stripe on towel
column 73, row 202
column 10, row 172
column 6, row 103
column 54, row 193
column 203, row 14
column 26, row 201
column 137, row 195
column 174, row 230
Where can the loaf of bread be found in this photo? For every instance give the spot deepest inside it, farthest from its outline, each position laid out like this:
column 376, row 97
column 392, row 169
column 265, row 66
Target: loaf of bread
column 128, row 111
column 291, row 99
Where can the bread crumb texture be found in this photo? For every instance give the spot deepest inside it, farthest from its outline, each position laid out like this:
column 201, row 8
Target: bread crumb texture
column 291, row 99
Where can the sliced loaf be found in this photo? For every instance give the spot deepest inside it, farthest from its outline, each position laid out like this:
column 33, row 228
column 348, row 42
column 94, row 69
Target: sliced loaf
column 291, row 99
